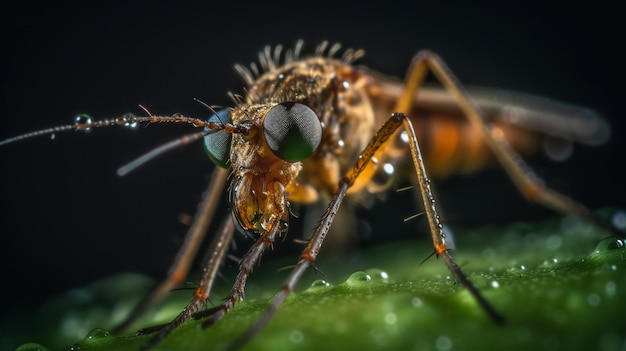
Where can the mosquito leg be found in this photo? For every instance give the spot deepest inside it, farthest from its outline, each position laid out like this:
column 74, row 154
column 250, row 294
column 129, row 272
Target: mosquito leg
column 529, row 184
column 246, row 265
column 306, row 259
column 436, row 229
column 216, row 254
column 188, row 250
column 310, row 252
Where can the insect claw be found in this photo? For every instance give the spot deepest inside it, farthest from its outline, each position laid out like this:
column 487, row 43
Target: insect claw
column 318, row 271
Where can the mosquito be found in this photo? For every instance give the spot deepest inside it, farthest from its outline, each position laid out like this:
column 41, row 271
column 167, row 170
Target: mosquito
column 318, row 128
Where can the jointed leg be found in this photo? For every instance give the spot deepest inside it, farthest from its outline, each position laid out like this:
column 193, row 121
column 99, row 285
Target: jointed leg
column 246, row 265
column 520, row 173
column 187, row 252
column 216, row 254
column 309, row 254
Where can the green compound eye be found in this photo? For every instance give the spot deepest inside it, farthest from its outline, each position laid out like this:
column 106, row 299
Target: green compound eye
column 217, row 144
column 292, row 131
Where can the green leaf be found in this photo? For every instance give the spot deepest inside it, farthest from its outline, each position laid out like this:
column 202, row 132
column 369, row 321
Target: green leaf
column 558, row 283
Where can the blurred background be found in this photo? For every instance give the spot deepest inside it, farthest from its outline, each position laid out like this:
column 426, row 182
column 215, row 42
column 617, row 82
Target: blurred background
column 67, row 219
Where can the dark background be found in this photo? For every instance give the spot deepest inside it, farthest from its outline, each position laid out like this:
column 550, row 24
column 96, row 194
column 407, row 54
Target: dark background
column 67, row 219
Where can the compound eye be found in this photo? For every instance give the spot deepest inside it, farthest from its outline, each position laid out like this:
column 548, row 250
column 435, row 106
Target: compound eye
column 292, row 131
column 217, row 144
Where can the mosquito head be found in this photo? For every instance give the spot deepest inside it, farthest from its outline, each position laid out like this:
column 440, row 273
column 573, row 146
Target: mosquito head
column 267, row 161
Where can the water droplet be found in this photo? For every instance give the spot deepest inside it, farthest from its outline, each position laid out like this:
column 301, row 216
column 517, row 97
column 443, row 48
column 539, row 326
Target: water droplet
column 82, row 121
column 391, row 318
column 31, row 346
column 378, row 335
column 619, row 220
column 550, row 262
column 495, row 284
column 610, row 288
column 449, row 236
column 127, row 120
column 609, row 244
column 377, row 275
column 96, row 335
column 593, row 299
column 320, row 283
column 389, row 169
column 404, row 136
column 416, row 302
column 517, row 268
column 296, row 336
column 443, row 343
column 358, row 278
